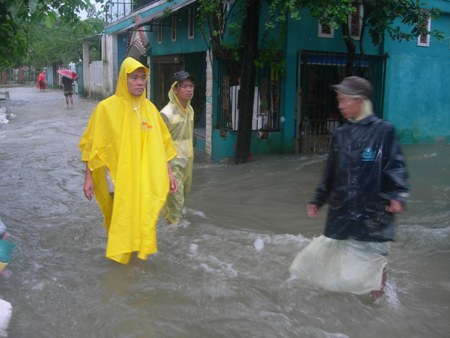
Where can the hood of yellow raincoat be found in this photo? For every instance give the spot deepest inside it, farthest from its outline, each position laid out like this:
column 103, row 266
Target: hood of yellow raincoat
column 174, row 99
column 180, row 122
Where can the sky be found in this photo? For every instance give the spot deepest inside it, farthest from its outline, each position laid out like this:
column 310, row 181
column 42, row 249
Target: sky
column 83, row 14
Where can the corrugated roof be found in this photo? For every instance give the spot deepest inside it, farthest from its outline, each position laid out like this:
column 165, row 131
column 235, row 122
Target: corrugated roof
column 145, row 15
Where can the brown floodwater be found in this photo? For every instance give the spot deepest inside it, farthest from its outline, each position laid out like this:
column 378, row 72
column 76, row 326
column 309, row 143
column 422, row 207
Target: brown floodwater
column 224, row 273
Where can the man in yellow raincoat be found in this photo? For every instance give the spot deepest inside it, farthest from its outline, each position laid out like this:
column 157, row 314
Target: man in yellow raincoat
column 127, row 149
column 179, row 118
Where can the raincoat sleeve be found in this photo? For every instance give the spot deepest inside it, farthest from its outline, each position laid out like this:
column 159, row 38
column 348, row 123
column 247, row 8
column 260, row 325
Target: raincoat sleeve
column 325, row 185
column 180, row 125
column 91, row 141
column 100, row 142
column 395, row 175
column 165, row 118
column 167, row 139
column 95, row 144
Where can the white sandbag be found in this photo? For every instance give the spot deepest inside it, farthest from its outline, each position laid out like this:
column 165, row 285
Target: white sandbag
column 5, row 316
column 342, row 265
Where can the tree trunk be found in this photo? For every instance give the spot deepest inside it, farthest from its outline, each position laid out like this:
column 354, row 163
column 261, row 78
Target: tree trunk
column 351, row 49
column 248, row 78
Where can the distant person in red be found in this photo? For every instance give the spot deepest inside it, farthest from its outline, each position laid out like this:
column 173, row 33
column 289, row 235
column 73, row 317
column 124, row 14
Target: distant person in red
column 41, row 81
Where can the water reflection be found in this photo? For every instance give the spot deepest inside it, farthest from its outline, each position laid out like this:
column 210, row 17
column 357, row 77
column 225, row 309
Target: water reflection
column 225, row 274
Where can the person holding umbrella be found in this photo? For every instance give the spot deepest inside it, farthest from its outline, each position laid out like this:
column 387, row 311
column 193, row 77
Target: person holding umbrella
column 68, row 91
column 67, row 80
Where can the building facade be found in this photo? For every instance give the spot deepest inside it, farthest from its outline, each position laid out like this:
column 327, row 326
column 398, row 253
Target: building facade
column 294, row 110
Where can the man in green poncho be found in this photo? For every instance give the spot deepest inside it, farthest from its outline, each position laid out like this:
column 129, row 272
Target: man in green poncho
column 179, row 118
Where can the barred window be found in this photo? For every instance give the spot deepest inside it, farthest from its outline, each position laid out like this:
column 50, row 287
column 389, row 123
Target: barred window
column 266, row 101
column 424, row 39
column 191, row 17
column 325, row 31
column 355, row 22
column 174, row 28
column 160, row 30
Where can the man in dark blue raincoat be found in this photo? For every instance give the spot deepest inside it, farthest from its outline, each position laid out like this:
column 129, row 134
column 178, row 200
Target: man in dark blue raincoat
column 365, row 183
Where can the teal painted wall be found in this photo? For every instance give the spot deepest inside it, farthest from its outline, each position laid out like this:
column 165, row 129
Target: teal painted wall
column 415, row 92
column 303, row 35
column 122, row 41
column 225, row 144
column 417, row 98
column 300, row 35
column 417, row 95
column 183, row 43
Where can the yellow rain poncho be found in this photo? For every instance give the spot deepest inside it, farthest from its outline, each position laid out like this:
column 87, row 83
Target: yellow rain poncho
column 180, row 122
column 134, row 146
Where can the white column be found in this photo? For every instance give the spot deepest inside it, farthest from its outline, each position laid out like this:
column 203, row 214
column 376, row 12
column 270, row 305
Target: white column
column 209, row 105
column 86, row 77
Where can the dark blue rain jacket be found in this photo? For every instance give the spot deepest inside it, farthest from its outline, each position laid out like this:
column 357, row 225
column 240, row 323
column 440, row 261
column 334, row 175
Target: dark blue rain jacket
column 364, row 170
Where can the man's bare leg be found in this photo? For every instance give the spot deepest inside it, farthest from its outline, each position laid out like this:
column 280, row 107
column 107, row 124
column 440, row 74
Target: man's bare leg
column 374, row 295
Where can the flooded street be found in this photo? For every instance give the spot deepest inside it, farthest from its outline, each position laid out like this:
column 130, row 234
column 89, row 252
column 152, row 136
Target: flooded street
column 223, row 274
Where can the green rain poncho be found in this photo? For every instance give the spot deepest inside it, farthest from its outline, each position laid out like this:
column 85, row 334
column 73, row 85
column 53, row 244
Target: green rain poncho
column 180, row 122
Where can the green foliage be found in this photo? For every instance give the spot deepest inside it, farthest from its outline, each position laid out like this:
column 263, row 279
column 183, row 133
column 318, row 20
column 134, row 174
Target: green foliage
column 36, row 11
column 21, row 21
column 12, row 36
column 385, row 16
column 218, row 28
column 282, row 10
column 222, row 29
column 397, row 19
column 60, row 43
column 271, row 56
column 333, row 13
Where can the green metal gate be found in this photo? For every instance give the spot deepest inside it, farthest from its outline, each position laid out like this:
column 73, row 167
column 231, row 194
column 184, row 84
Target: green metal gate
column 317, row 110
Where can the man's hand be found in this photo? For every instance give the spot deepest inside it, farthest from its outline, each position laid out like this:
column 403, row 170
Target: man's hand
column 312, row 210
column 88, row 187
column 173, row 183
column 395, row 207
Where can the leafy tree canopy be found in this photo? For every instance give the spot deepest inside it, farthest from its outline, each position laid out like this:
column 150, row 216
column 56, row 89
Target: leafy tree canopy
column 61, row 43
column 19, row 19
column 397, row 19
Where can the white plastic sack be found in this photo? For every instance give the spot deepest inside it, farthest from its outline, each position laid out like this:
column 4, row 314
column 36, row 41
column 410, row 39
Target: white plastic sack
column 5, row 316
column 342, row 265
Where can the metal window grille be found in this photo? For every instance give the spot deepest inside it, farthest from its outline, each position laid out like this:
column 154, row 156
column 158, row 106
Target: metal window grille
column 319, row 115
column 265, row 114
